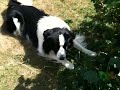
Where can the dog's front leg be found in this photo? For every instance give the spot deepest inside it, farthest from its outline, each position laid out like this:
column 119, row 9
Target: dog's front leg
column 78, row 46
column 66, row 63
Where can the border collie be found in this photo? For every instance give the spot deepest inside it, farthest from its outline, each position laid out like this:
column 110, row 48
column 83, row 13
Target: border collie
column 49, row 34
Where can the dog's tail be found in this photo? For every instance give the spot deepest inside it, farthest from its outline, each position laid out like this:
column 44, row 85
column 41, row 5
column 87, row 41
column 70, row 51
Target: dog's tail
column 79, row 44
column 20, row 2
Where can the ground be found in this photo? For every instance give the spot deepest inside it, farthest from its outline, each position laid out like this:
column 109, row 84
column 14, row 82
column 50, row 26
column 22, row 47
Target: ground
column 20, row 66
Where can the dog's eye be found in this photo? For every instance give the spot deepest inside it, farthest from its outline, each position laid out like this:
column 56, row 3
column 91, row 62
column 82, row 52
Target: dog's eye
column 70, row 42
column 67, row 45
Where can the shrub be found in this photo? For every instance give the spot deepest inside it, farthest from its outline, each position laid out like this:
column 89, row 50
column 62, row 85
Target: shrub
column 103, row 36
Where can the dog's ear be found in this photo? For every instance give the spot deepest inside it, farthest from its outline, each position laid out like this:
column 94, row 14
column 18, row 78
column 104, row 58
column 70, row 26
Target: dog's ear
column 72, row 34
column 47, row 44
column 47, row 33
column 69, row 33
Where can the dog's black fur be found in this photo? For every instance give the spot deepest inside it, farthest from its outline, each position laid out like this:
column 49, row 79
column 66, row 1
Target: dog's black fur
column 28, row 16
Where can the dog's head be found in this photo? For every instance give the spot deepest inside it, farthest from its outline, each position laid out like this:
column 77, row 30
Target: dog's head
column 58, row 40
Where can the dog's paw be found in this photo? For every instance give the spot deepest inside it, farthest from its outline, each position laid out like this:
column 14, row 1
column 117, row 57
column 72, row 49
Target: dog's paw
column 69, row 65
column 93, row 54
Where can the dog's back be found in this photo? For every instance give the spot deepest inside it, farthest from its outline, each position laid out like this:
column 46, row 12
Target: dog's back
column 23, row 19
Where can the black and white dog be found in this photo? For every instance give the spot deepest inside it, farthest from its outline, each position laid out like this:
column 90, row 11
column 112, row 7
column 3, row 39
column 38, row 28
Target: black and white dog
column 49, row 34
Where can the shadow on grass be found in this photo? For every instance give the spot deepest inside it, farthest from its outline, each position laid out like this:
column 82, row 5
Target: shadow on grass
column 47, row 78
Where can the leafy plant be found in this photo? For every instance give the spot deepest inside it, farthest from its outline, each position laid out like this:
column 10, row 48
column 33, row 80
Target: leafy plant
column 102, row 33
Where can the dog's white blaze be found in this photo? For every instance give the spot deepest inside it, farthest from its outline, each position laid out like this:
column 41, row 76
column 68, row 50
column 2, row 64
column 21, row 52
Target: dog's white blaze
column 61, row 50
column 48, row 22
column 61, row 40
column 17, row 24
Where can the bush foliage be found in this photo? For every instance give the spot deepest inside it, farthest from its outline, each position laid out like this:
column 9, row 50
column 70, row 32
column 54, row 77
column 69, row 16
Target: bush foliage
column 102, row 33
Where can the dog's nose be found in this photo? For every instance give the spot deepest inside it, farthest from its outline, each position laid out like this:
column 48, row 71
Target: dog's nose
column 62, row 57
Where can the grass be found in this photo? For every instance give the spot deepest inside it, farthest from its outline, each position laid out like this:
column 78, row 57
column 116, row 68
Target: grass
column 20, row 67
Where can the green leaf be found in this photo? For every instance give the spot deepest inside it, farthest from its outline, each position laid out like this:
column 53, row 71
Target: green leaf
column 91, row 76
column 103, row 76
column 115, row 61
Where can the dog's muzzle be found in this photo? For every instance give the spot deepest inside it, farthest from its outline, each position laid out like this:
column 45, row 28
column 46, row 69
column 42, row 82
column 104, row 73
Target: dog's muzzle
column 62, row 57
column 61, row 54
